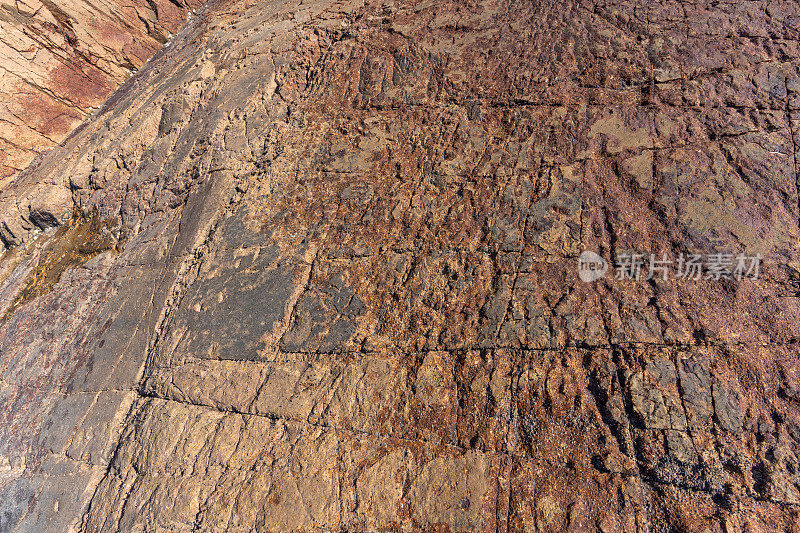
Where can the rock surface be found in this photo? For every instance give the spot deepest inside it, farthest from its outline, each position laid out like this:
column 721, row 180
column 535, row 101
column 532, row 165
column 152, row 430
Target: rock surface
column 315, row 269
column 60, row 59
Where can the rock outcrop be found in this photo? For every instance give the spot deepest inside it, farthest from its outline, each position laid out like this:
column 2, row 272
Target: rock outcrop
column 60, row 59
column 316, row 269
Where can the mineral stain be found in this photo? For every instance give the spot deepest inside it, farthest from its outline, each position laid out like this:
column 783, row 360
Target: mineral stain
column 83, row 236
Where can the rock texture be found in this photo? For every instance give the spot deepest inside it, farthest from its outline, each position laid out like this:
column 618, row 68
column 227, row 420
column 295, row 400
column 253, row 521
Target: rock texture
column 315, row 269
column 60, row 59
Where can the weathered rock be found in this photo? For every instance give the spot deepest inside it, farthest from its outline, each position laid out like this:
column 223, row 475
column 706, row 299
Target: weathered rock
column 60, row 59
column 331, row 278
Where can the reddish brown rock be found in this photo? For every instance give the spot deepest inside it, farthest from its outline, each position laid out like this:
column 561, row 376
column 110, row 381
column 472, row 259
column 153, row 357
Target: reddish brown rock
column 59, row 60
column 336, row 286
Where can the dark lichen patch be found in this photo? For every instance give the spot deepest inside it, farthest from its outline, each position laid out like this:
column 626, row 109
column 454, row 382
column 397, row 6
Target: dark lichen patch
column 84, row 236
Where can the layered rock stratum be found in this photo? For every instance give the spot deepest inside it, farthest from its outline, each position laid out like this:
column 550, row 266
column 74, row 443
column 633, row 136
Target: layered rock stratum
column 60, row 59
column 314, row 268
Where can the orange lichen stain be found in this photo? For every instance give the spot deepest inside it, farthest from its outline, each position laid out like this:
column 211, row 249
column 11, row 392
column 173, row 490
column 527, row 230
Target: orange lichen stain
column 81, row 238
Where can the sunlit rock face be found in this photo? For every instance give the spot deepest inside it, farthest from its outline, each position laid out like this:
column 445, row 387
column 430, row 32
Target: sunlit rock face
column 60, row 59
column 316, row 268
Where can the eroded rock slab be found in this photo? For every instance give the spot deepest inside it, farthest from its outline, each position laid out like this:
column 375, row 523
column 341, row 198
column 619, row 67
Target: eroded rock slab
column 342, row 294
column 60, row 60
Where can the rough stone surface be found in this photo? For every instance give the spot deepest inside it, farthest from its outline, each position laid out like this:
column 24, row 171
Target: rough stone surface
column 60, row 59
column 337, row 288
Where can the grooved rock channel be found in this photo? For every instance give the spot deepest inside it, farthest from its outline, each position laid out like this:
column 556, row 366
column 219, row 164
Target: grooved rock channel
column 315, row 269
